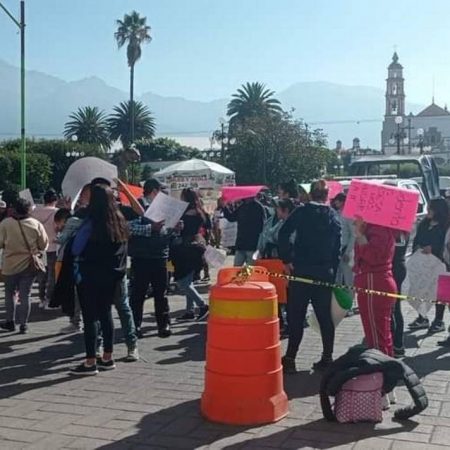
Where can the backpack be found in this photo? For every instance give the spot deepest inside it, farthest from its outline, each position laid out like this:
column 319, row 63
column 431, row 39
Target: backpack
column 360, row 399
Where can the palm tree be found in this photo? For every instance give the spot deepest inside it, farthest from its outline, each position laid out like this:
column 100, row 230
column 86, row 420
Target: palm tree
column 252, row 99
column 119, row 122
column 133, row 31
column 89, row 125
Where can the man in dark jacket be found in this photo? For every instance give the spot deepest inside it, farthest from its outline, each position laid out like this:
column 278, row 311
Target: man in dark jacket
column 149, row 254
column 250, row 217
column 315, row 256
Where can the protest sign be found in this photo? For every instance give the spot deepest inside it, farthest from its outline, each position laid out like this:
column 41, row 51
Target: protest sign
column 26, row 195
column 229, row 233
column 214, row 257
column 383, row 205
column 167, row 209
column 83, row 171
column 334, row 188
column 422, row 274
column 234, row 193
column 443, row 289
column 136, row 191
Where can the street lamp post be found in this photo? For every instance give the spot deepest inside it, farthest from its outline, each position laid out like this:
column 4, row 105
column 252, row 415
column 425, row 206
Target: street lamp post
column 23, row 148
column 398, row 121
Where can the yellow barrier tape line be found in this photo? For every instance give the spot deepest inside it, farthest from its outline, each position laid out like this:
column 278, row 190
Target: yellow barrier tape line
column 247, row 271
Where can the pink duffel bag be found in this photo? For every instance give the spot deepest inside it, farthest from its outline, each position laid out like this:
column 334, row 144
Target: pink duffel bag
column 359, row 399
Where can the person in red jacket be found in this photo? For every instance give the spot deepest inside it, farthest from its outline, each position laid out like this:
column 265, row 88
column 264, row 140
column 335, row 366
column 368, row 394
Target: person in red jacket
column 374, row 252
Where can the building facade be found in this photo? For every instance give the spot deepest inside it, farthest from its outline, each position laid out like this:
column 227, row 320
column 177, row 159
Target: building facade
column 402, row 133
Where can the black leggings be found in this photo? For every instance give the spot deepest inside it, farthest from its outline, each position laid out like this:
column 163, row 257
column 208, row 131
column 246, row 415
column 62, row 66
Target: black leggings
column 96, row 302
column 398, row 323
column 299, row 296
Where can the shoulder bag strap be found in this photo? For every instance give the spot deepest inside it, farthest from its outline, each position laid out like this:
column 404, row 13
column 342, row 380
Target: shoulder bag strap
column 27, row 244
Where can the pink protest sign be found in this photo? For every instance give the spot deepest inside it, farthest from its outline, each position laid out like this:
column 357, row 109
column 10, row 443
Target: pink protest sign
column 234, row 193
column 334, row 188
column 443, row 288
column 380, row 204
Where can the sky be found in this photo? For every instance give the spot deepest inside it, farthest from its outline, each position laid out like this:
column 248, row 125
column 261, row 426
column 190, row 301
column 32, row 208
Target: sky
column 204, row 49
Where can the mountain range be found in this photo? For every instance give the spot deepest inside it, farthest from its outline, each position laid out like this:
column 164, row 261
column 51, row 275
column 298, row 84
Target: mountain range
column 343, row 112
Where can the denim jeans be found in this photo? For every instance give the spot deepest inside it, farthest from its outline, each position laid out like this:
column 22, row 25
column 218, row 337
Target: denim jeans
column 242, row 257
column 47, row 279
column 193, row 298
column 22, row 283
column 122, row 305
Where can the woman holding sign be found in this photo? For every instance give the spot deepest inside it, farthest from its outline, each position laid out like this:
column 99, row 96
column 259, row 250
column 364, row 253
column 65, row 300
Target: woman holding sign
column 374, row 253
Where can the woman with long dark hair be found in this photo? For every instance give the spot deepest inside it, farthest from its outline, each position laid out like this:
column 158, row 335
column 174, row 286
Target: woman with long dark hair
column 187, row 255
column 430, row 239
column 100, row 250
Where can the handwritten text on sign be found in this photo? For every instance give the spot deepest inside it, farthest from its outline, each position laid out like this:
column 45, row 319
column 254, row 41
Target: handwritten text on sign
column 380, row 204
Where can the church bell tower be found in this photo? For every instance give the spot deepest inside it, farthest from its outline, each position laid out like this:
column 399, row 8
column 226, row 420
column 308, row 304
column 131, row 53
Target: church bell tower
column 395, row 93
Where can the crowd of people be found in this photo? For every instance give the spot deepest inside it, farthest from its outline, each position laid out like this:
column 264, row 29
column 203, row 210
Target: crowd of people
column 79, row 257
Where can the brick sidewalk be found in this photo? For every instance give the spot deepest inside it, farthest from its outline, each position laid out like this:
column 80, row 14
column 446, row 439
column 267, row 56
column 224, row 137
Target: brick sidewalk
column 154, row 403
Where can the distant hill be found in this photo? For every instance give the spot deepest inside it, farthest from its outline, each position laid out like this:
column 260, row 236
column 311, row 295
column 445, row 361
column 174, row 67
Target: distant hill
column 341, row 111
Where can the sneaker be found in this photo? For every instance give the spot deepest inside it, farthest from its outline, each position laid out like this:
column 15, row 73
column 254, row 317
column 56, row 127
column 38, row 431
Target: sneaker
column 444, row 343
column 82, row 369
column 420, row 323
column 44, row 305
column 165, row 332
column 132, row 355
column 288, row 365
column 399, row 352
column 186, row 316
column 23, row 329
column 436, row 327
column 70, row 329
column 322, row 365
column 203, row 313
column 106, row 365
column 8, row 326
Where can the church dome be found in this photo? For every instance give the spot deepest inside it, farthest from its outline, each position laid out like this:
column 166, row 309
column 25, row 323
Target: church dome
column 395, row 64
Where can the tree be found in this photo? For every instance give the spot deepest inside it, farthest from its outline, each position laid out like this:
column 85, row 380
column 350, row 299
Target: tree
column 166, row 149
column 252, row 100
column 277, row 148
column 119, row 122
column 133, row 31
column 89, row 124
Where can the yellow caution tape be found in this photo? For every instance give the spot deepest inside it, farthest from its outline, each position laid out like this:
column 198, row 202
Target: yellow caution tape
column 247, row 271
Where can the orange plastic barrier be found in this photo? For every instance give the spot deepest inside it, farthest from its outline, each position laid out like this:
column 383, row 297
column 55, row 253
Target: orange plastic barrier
column 281, row 285
column 243, row 375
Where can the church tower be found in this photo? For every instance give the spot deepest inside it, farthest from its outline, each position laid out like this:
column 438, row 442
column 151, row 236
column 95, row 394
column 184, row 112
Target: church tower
column 395, row 105
column 395, row 93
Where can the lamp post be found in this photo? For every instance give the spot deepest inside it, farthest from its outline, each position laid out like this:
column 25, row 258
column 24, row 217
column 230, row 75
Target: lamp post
column 420, row 133
column 23, row 148
column 398, row 121
column 222, row 122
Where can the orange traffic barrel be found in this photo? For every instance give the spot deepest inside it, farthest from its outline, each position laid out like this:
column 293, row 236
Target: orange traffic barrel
column 281, row 285
column 243, row 375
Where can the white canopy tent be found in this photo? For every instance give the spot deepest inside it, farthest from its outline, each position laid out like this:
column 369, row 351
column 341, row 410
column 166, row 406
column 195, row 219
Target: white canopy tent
column 196, row 174
column 204, row 176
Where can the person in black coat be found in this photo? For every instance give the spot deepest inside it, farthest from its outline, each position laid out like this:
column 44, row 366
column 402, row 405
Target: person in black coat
column 250, row 217
column 315, row 255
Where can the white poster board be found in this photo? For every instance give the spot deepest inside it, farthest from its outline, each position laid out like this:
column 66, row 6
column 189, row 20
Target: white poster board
column 214, row 257
column 83, row 171
column 422, row 274
column 229, row 233
column 26, row 195
column 167, row 209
